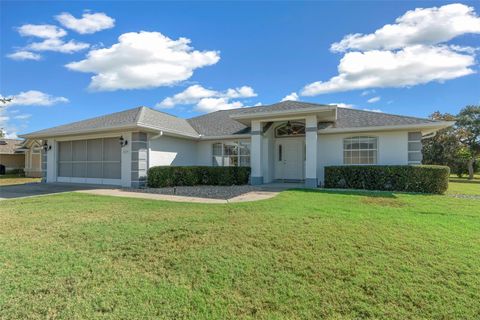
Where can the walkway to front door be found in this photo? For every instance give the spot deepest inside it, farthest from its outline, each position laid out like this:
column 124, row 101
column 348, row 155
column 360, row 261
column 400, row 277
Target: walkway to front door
column 290, row 159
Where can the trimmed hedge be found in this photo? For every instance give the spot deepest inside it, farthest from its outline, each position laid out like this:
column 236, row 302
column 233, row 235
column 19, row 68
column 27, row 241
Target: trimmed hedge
column 414, row 178
column 168, row 176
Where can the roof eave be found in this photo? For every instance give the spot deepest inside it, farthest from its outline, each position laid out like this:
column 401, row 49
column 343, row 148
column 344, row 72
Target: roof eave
column 433, row 126
column 102, row 130
column 231, row 136
column 245, row 118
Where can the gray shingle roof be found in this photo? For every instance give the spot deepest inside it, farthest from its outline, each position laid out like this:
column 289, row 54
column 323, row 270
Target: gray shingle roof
column 9, row 146
column 220, row 123
column 140, row 116
column 353, row 118
column 165, row 121
column 280, row 106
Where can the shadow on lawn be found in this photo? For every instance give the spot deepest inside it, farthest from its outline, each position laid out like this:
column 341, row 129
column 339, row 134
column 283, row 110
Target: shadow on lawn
column 460, row 180
column 356, row 192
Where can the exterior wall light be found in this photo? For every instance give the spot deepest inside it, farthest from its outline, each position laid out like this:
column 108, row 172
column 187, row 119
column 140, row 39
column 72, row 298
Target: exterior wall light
column 123, row 142
column 46, row 147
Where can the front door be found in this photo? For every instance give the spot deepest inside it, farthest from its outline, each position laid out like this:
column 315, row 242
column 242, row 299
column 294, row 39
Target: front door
column 289, row 159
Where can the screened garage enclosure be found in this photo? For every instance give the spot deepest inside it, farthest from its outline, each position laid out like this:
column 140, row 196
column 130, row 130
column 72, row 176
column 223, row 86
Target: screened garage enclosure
column 95, row 161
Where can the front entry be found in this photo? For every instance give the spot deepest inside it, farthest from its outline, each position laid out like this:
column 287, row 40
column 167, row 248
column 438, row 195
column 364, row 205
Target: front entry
column 290, row 159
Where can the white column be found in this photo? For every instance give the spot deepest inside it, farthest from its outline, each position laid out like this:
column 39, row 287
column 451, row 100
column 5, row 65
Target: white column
column 311, row 136
column 52, row 160
column 256, row 176
column 126, row 161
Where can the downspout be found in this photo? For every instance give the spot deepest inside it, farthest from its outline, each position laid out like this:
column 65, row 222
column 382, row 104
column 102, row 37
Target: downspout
column 158, row 135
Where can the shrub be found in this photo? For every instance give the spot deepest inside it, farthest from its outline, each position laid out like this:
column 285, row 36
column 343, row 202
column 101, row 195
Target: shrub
column 421, row 178
column 168, row 176
column 18, row 172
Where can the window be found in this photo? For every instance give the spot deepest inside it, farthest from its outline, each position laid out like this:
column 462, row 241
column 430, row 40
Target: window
column 231, row 154
column 289, row 129
column 360, row 150
column 279, row 152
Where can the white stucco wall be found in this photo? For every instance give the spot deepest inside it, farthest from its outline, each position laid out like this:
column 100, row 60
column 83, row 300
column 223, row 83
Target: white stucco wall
column 204, row 153
column 166, row 151
column 392, row 149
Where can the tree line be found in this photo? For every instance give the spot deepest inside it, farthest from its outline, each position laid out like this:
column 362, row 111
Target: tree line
column 458, row 146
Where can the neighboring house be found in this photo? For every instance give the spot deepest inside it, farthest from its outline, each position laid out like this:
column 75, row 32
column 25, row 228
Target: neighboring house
column 33, row 158
column 286, row 141
column 10, row 156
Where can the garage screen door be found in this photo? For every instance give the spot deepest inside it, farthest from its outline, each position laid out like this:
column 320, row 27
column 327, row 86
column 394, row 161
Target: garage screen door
column 93, row 158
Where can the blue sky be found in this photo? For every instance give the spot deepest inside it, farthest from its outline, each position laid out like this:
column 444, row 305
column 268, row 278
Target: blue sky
column 238, row 54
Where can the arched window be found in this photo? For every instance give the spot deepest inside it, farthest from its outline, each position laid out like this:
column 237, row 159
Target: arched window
column 360, row 150
column 289, row 129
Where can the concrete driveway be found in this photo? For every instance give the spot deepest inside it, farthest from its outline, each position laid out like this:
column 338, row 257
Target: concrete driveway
column 39, row 189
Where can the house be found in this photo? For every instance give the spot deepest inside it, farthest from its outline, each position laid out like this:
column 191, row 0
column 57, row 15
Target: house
column 33, row 158
column 286, row 141
column 10, row 157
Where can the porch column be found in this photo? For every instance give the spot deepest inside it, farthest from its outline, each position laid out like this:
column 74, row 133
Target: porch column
column 256, row 176
column 311, row 136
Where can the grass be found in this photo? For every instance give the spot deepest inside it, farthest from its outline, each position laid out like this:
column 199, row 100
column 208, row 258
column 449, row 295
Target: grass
column 10, row 179
column 463, row 185
column 303, row 254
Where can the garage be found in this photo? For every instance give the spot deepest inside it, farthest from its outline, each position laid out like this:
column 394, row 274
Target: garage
column 96, row 161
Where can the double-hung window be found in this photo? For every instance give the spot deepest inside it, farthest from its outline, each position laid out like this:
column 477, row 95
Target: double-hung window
column 231, row 154
column 360, row 150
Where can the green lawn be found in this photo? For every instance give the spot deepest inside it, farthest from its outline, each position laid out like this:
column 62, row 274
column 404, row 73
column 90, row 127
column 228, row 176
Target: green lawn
column 464, row 186
column 300, row 255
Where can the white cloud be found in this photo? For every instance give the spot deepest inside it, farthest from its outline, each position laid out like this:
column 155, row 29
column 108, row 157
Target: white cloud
column 52, row 41
column 367, row 92
column 45, row 31
column 465, row 49
column 425, row 26
column 410, row 52
column 191, row 95
column 35, row 98
column 89, row 23
column 292, row 96
column 352, row 106
column 22, row 116
column 24, row 55
column 143, row 60
column 407, row 67
column 207, row 100
column 58, row 45
column 215, row 104
column 342, row 105
column 374, row 99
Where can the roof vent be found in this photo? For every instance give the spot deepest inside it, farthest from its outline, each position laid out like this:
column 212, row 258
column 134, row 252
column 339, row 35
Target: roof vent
column 3, row 142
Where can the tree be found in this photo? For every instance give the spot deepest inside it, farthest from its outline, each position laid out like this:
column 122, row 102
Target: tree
column 4, row 100
column 444, row 148
column 468, row 131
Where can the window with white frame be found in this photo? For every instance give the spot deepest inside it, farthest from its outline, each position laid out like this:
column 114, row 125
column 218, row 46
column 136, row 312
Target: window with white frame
column 231, row 154
column 360, row 150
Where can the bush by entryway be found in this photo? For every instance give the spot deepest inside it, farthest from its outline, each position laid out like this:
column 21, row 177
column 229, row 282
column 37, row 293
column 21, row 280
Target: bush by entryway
column 421, row 178
column 169, row 176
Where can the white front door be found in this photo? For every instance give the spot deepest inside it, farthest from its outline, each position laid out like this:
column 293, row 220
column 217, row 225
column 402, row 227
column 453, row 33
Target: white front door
column 289, row 162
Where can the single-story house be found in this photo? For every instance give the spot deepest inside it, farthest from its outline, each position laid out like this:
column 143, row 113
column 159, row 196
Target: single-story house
column 10, row 155
column 33, row 157
column 286, row 141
